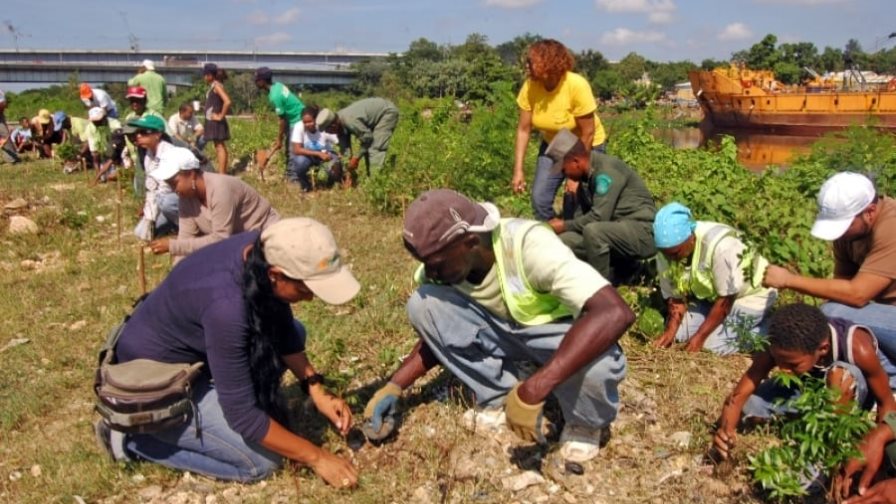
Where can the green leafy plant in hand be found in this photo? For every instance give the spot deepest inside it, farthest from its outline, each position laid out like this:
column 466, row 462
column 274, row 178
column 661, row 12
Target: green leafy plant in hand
column 816, row 437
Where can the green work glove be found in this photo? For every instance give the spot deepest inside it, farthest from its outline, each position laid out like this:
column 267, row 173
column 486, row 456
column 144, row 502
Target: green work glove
column 526, row 420
column 382, row 404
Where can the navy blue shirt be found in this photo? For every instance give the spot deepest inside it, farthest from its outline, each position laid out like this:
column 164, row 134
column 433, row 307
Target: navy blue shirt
column 198, row 314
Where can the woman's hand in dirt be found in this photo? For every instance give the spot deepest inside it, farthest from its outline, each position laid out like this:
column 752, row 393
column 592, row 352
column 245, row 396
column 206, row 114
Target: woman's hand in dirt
column 335, row 409
column 335, row 470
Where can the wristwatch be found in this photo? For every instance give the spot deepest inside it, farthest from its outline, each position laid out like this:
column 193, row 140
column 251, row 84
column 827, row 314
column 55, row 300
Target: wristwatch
column 308, row 381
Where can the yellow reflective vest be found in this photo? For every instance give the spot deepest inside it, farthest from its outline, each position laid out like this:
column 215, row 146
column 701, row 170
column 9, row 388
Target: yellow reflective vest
column 526, row 305
column 699, row 281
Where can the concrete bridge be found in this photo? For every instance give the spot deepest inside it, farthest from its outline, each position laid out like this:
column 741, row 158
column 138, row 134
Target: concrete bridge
column 180, row 68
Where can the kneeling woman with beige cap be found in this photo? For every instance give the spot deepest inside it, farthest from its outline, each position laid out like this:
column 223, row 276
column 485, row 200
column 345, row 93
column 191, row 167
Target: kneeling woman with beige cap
column 228, row 306
column 211, row 207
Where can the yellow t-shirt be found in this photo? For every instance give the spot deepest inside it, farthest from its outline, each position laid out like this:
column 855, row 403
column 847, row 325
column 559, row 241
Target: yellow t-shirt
column 558, row 109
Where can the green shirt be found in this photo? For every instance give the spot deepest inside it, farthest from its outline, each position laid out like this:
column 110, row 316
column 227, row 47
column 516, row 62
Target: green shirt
column 285, row 103
column 154, row 84
column 613, row 192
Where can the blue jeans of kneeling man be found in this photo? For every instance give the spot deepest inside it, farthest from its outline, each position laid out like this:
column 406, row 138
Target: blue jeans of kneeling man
column 483, row 350
column 880, row 318
column 772, row 399
column 219, row 452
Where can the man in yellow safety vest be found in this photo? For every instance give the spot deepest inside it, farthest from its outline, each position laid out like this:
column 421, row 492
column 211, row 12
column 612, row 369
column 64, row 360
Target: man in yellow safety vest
column 712, row 281
column 496, row 292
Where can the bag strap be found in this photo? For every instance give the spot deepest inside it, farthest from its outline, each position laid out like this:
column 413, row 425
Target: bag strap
column 107, row 351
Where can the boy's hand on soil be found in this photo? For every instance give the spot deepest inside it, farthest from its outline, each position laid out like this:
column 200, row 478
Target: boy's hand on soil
column 723, row 441
column 664, row 341
column 881, row 493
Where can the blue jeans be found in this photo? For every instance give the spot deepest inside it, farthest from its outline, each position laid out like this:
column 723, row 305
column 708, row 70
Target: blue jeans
column 546, row 183
column 772, row 399
column 219, row 453
column 166, row 221
column 297, row 170
column 880, row 318
column 723, row 340
column 482, row 350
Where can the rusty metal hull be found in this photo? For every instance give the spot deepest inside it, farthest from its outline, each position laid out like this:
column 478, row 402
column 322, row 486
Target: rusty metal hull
column 733, row 103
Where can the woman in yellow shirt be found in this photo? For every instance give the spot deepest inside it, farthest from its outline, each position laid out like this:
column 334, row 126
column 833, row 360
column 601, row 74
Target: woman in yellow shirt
column 552, row 98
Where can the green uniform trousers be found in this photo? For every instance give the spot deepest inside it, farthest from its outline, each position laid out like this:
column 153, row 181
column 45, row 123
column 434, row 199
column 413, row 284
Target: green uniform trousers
column 608, row 246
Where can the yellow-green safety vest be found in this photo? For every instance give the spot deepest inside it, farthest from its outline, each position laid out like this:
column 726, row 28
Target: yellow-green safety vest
column 700, row 280
column 526, row 305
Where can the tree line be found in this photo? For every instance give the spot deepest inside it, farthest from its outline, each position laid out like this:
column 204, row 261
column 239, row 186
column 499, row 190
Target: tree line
column 468, row 70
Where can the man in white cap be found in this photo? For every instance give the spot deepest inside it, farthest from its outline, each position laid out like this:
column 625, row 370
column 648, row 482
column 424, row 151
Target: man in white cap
column 153, row 83
column 862, row 226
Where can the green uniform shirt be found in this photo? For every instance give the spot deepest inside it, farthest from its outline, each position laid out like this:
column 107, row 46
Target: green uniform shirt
column 285, row 103
column 613, row 192
column 154, row 84
column 361, row 118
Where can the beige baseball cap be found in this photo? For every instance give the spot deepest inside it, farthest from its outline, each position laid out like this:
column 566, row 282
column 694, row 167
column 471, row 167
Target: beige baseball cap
column 306, row 250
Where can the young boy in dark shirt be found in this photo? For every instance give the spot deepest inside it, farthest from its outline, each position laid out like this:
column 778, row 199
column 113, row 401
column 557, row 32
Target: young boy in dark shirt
column 803, row 341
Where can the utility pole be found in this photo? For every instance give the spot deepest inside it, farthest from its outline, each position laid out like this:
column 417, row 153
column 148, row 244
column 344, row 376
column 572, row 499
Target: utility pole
column 14, row 32
column 132, row 39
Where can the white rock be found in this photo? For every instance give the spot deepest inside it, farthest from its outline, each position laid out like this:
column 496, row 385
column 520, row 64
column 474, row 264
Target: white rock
column 79, row 499
column 77, row 326
column 681, row 439
column 522, row 481
column 101, row 218
column 14, row 343
column 36, row 471
column 16, row 204
column 150, row 492
column 138, row 478
column 15, row 476
column 21, row 225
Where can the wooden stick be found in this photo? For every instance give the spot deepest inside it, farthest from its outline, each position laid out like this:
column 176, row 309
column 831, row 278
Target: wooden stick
column 118, row 207
column 141, row 268
column 84, row 167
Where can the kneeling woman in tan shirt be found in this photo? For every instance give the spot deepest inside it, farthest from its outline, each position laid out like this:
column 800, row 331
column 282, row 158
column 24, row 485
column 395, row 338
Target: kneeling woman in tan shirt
column 211, row 206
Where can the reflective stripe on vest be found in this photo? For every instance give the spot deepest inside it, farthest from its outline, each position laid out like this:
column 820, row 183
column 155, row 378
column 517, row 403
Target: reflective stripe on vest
column 708, row 235
column 526, row 305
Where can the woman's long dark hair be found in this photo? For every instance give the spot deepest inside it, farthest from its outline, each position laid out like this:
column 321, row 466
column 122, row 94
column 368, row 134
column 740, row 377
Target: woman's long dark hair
column 265, row 317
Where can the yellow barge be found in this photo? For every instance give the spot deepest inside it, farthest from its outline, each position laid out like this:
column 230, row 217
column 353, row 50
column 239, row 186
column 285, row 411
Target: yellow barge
column 746, row 99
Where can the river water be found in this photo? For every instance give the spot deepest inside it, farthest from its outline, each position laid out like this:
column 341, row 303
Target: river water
column 756, row 151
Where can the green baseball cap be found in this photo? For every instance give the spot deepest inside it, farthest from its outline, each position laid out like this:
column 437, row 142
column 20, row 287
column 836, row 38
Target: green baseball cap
column 149, row 122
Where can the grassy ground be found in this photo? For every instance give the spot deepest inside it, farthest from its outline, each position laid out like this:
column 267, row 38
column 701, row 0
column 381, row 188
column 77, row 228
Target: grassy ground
column 64, row 287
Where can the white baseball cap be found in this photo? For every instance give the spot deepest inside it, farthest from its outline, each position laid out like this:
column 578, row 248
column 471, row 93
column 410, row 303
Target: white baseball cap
column 172, row 161
column 306, row 250
column 96, row 114
column 841, row 198
column 147, row 64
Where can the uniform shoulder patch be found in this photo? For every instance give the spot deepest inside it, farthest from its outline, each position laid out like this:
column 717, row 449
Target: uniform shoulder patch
column 602, row 184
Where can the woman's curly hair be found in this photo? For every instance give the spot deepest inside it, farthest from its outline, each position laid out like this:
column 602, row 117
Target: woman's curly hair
column 549, row 58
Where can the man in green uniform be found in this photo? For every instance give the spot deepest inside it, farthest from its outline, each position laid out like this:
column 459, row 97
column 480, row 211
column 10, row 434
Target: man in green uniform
column 372, row 121
column 612, row 226
column 153, row 83
column 287, row 106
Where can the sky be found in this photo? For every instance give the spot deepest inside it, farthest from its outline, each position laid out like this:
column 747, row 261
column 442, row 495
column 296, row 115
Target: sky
column 660, row 30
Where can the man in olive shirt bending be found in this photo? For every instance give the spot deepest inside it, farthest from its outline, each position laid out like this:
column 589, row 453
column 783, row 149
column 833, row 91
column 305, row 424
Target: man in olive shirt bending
column 612, row 228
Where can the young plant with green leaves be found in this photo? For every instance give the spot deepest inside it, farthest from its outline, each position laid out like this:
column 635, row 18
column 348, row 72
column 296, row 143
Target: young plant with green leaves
column 818, row 436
